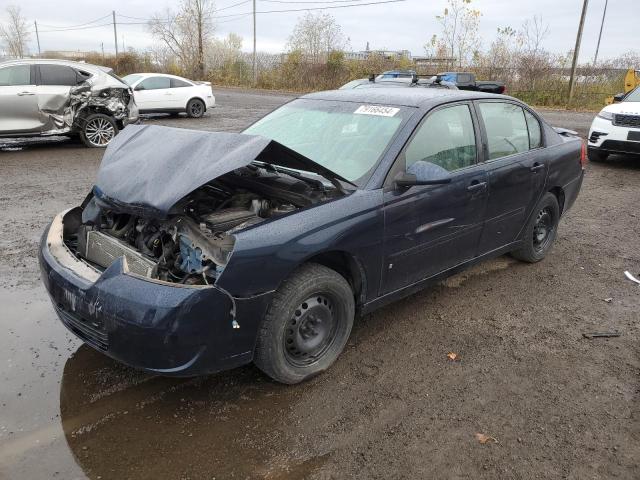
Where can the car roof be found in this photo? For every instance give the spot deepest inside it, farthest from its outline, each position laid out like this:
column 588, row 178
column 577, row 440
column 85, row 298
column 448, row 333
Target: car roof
column 409, row 97
column 149, row 74
column 54, row 61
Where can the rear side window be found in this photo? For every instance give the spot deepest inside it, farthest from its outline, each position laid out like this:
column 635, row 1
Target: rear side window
column 58, row 75
column 535, row 132
column 16, row 75
column 464, row 78
column 175, row 83
column 154, row 83
column 446, row 138
column 82, row 76
column 507, row 132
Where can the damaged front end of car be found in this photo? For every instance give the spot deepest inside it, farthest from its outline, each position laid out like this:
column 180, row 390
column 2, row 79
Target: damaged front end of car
column 174, row 221
column 137, row 270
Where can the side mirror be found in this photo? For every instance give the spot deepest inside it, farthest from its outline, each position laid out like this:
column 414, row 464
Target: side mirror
column 619, row 97
column 139, row 87
column 408, row 179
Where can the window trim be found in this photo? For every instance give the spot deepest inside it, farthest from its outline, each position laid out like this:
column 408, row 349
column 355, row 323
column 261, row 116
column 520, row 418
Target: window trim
column 398, row 165
column 485, row 138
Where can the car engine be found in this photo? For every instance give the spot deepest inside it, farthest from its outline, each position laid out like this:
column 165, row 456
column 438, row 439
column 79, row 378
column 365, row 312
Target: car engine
column 193, row 245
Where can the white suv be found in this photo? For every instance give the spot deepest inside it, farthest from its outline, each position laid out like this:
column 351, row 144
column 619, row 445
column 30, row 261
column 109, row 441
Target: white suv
column 616, row 129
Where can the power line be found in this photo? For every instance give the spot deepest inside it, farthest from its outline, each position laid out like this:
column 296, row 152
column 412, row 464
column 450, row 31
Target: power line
column 73, row 26
column 310, row 1
column 76, row 28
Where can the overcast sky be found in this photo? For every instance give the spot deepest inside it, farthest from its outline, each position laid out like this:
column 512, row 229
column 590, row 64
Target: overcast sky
column 406, row 25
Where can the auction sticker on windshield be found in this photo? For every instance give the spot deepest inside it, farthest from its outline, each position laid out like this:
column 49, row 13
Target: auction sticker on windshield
column 377, row 110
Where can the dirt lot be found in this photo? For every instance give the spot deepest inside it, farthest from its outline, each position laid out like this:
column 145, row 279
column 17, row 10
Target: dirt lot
column 394, row 406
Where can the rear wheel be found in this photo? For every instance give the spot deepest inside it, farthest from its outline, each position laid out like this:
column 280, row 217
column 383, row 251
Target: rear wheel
column 541, row 230
column 195, row 108
column 597, row 155
column 307, row 325
column 98, row 130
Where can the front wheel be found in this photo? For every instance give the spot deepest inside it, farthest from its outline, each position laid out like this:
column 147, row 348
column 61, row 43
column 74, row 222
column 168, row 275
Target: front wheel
column 195, row 108
column 306, row 326
column 541, row 230
column 98, row 130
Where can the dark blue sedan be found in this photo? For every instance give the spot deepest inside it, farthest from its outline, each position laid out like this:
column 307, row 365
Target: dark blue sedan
column 197, row 252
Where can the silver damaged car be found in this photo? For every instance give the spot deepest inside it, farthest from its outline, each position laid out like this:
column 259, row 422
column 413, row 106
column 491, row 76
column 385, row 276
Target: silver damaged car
column 58, row 97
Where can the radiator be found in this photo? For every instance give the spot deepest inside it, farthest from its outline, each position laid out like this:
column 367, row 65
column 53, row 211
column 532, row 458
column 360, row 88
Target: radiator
column 103, row 250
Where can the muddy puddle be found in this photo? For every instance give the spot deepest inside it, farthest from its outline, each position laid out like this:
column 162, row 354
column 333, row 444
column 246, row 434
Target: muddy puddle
column 70, row 412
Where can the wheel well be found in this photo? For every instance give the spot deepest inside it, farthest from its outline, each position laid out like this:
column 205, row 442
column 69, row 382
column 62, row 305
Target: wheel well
column 197, row 98
column 347, row 266
column 79, row 121
column 559, row 193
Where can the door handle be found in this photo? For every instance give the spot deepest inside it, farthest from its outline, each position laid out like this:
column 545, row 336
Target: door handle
column 537, row 166
column 475, row 185
column 22, row 94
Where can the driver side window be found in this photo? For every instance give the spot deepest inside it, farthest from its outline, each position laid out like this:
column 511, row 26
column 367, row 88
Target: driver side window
column 446, row 138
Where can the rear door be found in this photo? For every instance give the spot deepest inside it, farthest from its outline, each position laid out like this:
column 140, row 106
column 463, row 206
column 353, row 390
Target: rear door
column 154, row 94
column 517, row 165
column 19, row 105
column 54, row 83
column 431, row 228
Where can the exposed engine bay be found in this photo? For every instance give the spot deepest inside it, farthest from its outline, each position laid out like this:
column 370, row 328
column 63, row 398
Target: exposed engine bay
column 193, row 244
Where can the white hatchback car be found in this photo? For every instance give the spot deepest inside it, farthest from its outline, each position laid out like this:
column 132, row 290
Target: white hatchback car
column 162, row 93
column 616, row 129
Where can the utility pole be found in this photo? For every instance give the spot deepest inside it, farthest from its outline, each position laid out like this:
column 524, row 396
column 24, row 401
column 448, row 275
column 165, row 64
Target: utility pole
column 102, row 48
column 255, row 67
column 576, row 51
column 37, row 36
column 595, row 58
column 124, row 49
column 115, row 33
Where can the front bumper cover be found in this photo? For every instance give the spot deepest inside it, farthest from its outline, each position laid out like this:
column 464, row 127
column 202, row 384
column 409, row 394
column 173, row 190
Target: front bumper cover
column 161, row 328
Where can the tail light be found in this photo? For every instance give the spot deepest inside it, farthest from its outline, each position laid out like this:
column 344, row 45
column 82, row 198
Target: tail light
column 583, row 154
column 504, row 90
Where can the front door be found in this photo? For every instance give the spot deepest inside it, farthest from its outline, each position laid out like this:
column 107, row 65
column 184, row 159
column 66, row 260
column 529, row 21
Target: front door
column 517, row 169
column 19, row 112
column 154, row 93
column 429, row 229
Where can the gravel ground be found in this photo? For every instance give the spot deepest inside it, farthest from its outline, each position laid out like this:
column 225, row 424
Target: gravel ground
column 393, row 406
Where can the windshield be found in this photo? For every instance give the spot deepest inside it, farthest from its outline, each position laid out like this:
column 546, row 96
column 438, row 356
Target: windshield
column 131, row 79
column 634, row 96
column 346, row 138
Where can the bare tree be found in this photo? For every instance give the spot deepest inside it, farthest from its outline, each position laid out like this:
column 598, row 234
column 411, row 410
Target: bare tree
column 186, row 33
column 460, row 25
column 533, row 32
column 15, row 33
column 315, row 35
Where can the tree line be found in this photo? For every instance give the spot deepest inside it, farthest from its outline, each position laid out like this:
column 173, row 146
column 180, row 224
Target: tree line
column 315, row 57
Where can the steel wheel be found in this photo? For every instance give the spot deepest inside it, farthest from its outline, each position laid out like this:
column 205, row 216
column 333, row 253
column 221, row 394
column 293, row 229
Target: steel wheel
column 310, row 331
column 543, row 229
column 99, row 131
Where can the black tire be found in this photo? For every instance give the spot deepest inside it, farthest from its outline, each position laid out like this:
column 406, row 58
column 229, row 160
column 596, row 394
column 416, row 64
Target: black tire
column 597, row 155
column 97, row 130
column 306, row 326
column 541, row 230
column 195, row 108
